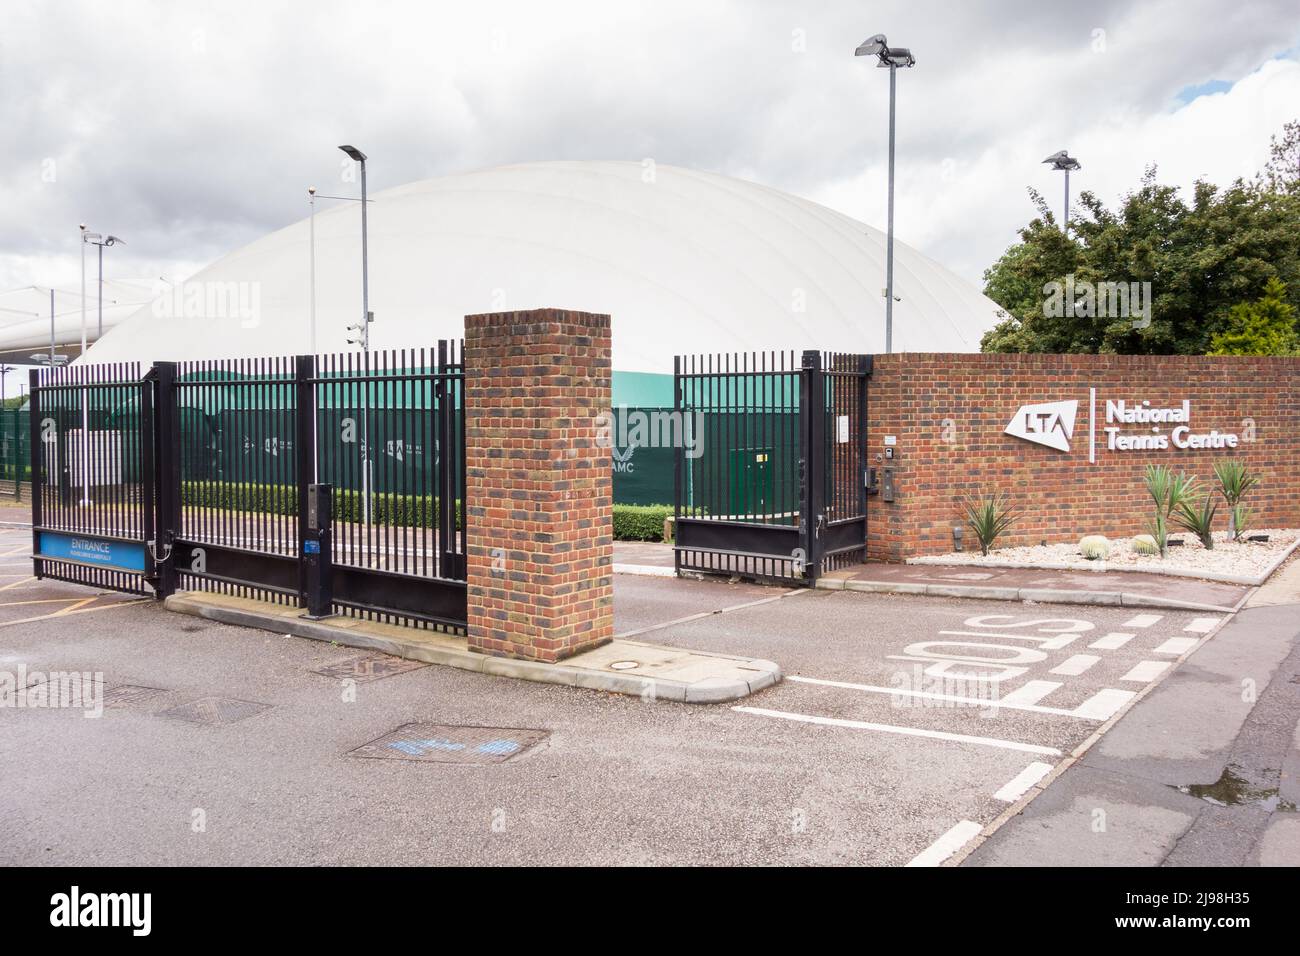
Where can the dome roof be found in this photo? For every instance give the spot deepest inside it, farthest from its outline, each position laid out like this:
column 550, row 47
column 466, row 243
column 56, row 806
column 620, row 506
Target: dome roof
column 683, row 261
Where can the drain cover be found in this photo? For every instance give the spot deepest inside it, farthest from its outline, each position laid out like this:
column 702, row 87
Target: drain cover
column 440, row 743
column 215, row 710
column 130, row 695
column 370, row 668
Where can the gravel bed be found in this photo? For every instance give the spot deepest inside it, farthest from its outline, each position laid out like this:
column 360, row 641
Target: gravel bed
column 1226, row 557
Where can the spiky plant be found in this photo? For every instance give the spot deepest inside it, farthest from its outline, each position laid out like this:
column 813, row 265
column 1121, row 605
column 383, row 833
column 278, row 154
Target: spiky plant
column 1235, row 482
column 989, row 516
column 1167, row 490
column 1198, row 520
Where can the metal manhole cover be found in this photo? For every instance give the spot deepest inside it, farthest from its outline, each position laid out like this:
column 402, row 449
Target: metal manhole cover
column 215, row 710
column 370, row 668
column 130, row 695
column 441, row 743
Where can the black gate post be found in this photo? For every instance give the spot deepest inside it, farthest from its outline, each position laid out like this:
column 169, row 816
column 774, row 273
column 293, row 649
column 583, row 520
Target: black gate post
column 37, row 453
column 148, row 482
column 812, row 463
column 447, row 464
column 865, row 366
column 167, row 445
column 304, row 375
column 679, row 455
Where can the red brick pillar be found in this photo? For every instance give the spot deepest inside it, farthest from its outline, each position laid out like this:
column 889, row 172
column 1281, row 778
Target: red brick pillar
column 538, row 495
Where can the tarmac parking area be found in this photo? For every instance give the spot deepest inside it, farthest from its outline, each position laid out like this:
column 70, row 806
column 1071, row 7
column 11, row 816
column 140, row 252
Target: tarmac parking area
column 221, row 744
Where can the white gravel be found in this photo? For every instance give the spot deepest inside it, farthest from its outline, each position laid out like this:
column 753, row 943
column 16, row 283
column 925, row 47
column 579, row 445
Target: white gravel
column 1226, row 558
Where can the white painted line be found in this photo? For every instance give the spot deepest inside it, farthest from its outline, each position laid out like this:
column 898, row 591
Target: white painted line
column 1144, row 620
column 1202, row 625
column 645, row 570
column 1146, row 671
column 1076, row 665
column 905, row 731
column 948, row 844
column 1056, row 643
column 933, row 695
column 1104, row 704
column 1112, row 641
column 1177, row 645
column 1031, row 692
column 1022, row 781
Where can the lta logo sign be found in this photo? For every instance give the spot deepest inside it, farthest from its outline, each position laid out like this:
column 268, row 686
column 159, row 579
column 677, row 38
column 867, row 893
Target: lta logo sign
column 1047, row 423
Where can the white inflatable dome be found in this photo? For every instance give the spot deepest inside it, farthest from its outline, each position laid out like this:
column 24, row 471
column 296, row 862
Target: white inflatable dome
column 683, row 261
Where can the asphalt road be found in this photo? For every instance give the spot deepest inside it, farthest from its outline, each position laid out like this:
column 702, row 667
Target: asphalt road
column 805, row 772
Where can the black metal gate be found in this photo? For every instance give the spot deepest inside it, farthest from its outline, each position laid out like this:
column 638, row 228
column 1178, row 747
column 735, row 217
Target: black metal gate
column 771, row 476
column 199, row 478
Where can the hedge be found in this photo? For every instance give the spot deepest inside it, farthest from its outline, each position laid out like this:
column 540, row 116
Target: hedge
column 631, row 522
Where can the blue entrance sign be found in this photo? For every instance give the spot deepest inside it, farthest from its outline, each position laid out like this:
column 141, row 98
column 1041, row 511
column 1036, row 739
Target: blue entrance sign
column 117, row 555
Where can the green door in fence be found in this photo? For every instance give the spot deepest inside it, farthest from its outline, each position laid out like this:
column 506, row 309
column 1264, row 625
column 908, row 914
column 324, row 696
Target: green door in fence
column 752, row 489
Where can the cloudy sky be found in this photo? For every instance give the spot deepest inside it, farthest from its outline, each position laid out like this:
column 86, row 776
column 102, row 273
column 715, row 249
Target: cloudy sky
column 192, row 128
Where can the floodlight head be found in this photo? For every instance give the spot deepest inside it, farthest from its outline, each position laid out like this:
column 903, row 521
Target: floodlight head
column 1063, row 160
column 872, row 46
column 897, row 56
column 114, row 240
column 886, row 56
column 311, row 190
column 355, row 153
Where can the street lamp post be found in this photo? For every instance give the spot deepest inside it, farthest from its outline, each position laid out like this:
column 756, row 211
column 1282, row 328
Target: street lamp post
column 1064, row 162
column 100, row 240
column 364, row 341
column 311, row 198
column 893, row 58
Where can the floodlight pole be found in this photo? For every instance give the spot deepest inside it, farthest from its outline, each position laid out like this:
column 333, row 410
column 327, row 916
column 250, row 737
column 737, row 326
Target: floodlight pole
column 360, row 159
column 889, row 237
column 311, row 193
column 1065, row 223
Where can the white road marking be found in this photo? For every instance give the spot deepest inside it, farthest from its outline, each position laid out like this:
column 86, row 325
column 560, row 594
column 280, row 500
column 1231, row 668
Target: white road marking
column 905, row 731
column 1146, row 671
column 1021, row 782
column 1202, row 625
column 948, row 844
column 934, row 695
column 1144, row 620
column 1176, row 645
column 1031, row 692
column 1076, row 665
column 1056, row 643
column 1104, row 704
column 1112, row 641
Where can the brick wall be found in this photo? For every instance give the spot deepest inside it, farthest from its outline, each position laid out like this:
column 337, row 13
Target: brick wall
column 949, row 411
column 538, row 497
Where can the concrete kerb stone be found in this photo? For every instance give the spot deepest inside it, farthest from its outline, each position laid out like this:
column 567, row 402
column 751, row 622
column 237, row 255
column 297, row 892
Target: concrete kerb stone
column 1037, row 595
column 706, row 691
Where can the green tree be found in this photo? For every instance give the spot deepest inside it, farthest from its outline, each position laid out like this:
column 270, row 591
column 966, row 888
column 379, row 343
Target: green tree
column 1266, row 326
column 1202, row 255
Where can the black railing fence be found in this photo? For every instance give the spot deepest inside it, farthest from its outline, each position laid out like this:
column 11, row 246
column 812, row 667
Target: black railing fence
column 771, row 484
column 206, row 467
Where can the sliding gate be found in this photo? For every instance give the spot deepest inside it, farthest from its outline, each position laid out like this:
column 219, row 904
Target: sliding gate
column 771, row 476
column 197, row 476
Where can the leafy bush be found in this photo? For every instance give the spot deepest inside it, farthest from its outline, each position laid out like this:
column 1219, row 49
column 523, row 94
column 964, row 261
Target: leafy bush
column 640, row 522
column 1168, row 491
column 1235, row 482
column 1095, row 547
column 631, row 522
column 1199, row 521
column 988, row 516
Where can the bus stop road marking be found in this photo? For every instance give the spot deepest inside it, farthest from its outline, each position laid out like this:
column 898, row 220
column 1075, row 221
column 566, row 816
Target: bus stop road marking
column 1143, row 620
column 1144, row 672
column 1090, row 709
column 904, row 731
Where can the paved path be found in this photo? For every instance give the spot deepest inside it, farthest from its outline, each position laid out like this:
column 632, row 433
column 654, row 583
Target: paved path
column 1203, row 771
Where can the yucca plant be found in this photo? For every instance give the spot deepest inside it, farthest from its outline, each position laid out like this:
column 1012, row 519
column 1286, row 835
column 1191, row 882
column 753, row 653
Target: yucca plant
column 1167, row 490
column 1198, row 520
column 1235, row 482
column 988, row 516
